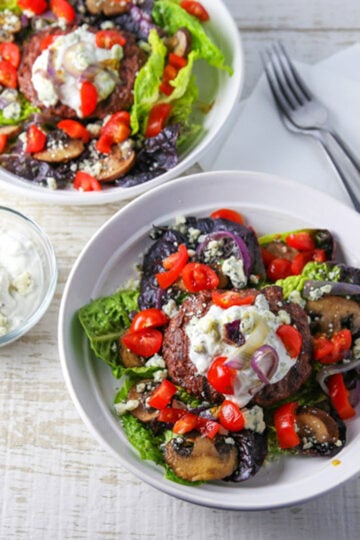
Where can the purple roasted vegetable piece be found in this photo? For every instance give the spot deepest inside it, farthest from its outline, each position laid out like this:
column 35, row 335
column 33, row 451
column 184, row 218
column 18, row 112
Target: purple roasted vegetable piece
column 233, row 334
column 252, row 448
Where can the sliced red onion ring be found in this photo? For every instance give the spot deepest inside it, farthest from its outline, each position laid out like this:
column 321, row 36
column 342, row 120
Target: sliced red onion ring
column 235, row 363
column 332, row 370
column 243, row 250
column 264, row 362
column 338, row 288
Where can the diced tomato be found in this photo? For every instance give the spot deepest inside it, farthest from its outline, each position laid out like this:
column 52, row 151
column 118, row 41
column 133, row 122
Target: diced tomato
column 199, row 277
column 221, row 377
column 170, row 73
column 35, row 140
column 104, row 144
column 208, row 428
column 74, row 129
column 148, row 318
column 170, row 415
column 319, row 255
column 166, row 89
column 196, row 9
column 36, row 6
column 226, row 299
column 8, row 74
column 285, row 425
column 86, row 182
column 299, row 261
column 230, row 215
column 11, row 53
column 146, row 342
column 267, row 256
column 47, row 41
column 3, row 141
column 330, row 351
column 278, row 268
column 117, row 127
column 88, row 98
column 162, row 395
column 291, row 338
column 106, row 39
column 186, row 423
column 342, row 341
column 177, row 61
column 166, row 279
column 339, row 396
column 322, row 348
column 302, row 241
column 116, row 118
column 230, row 416
column 63, row 9
column 157, row 119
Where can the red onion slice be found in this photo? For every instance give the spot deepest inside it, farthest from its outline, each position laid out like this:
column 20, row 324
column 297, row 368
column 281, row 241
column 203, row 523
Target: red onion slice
column 243, row 250
column 235, row 363
column 332, row 370
column 264, row 362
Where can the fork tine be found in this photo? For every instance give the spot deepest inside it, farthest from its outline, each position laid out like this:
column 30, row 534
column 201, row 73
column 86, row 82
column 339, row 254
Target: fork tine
column 294, row 72
column 274, row 84
column 280, row 75
column 288, row 73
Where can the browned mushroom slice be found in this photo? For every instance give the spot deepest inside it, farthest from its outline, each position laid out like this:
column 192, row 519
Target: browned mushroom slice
column 281, row 250
column 140, row 392
column 331, row 313
column 130, row 359
column 108, row 7
column 65, row 152
column 316, row 426
column 201, row 458
column 9, row 131
column 180, row 42
column 115, row 165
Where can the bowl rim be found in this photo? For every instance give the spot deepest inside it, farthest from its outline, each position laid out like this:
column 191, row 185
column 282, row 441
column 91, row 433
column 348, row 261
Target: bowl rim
column 35, row 317
column 64, row 197
column 275, row 496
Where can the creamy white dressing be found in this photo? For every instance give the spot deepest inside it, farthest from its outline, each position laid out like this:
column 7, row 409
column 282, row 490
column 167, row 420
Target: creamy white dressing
column 59, row 71
column 206, row 336
column 21, row 278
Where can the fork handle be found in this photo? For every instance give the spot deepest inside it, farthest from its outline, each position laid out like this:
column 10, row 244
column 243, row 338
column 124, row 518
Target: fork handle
column 352, row 187
column 344, row 147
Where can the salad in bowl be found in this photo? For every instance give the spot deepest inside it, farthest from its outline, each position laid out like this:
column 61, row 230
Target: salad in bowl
column 232, row 348
column 102, row 94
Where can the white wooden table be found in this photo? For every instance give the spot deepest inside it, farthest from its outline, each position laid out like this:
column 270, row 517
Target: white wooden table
column 56, row 481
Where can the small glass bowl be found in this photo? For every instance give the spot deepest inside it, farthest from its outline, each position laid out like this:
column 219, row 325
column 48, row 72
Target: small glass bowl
column 22, row 236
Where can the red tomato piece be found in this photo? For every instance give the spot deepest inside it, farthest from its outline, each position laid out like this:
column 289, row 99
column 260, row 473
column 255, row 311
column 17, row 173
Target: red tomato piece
column 104, row 144
column 186, row 423
column 8, row 74
column 162, row 395
column 319, row 255
column 177, row 61
column 299, row 261
column 35, row 139
column 166, row 89
column 285, row 425
column 146, row 342
column 278, row 268
column 323, row 348
column 166, row 279
column 170, row 73
column 63, row 9
column 291, row 338
column 74, row 129
column 226, row 299
column 331, row 351
column 208, row 428
column 301, row 241
column 199, row 277
column 106, row 39
column 117, row 127
column 11, row 53
column 88, row 98
column 267, row 256
column 85, row 182
column 342, row 341
column 3, row 141
column 230, row 215
column 148, row 318
column 157, row 119
column 47, row 41
column 196, row 9
column 339, row 396
column 170, row 415
column 221, row 377
column 36, row 6
column 231, row 417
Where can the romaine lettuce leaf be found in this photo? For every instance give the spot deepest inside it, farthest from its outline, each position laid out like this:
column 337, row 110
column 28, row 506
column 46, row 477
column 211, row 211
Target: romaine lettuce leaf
column 11, row 5
column 312, row 270
column 27, row 109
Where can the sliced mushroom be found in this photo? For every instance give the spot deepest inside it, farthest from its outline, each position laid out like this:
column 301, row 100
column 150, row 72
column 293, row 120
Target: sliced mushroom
column 201, row 458
column 281, row 250
column 331, row 313
column 180, row 42
column 61, row 153
column 140, row 392
column 10, row 131
column 130, row 359
column 316, row 425
column 108, row 7
column 115, row 165
column 10, row 24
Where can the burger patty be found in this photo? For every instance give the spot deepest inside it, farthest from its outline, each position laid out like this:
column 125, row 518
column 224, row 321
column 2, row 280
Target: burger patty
column 120, row 99
column 183, row 372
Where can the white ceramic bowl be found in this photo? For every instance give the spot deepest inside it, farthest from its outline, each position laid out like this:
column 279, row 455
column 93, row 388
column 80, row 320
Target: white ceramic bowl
column 31, row 239
column 214, row 85
column 270, row 204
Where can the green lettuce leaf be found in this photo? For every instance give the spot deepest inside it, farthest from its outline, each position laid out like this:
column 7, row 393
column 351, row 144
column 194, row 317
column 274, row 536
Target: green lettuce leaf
column 170, row 16
column 143, row 439
column 312, row 270
column 11, row 5
column 104, row 320
column 27, row 109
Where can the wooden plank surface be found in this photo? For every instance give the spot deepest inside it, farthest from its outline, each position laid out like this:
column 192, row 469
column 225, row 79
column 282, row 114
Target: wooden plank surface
column 56, row 481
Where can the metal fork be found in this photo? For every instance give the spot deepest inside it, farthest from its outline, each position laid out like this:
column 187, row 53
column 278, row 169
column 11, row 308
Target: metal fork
column 296, row 102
